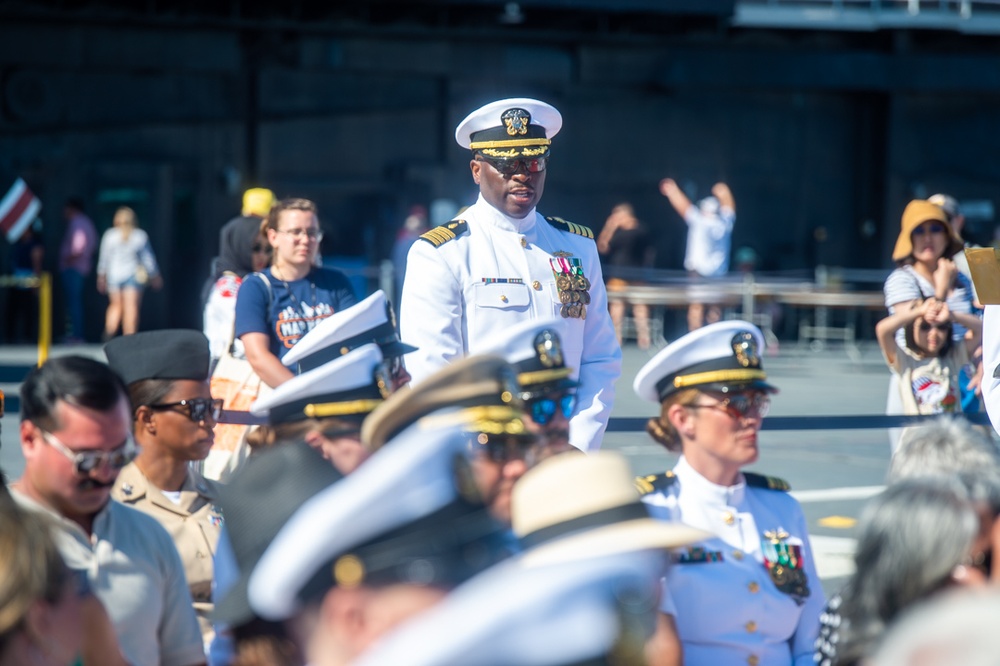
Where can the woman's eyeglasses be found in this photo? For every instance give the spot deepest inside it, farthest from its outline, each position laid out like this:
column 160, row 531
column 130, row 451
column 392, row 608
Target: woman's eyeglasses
column 311, row 234
column 196, row 409
column 508, row 167
column 85, row 462
column 266, row 249
column 928, row 229
column 542, row 410
column 741, row 405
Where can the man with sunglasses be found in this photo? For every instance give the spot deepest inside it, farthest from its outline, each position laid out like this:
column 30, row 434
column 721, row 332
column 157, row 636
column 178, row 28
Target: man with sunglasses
column 504, row 263
column 76, row 436
column 547, row 388
column 174, row 416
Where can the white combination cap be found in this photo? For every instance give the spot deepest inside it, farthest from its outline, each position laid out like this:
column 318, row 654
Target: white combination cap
column 724, row 357
column 411, row 514
column 513, row 127
column 370, row 320
column 354, row 384
column 547, row 616
column 534, row 348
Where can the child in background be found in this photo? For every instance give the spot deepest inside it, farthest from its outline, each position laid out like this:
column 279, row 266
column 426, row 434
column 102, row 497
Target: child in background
column 928, row 365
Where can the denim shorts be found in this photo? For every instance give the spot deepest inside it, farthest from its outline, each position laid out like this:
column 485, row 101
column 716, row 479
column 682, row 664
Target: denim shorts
column 130, row 283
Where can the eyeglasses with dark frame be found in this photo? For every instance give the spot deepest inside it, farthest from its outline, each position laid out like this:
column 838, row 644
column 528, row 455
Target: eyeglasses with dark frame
column 509, row 166
column 741, row 405
column 196, row 409
column 502, row 449
column 85, row 462
column 543, row 409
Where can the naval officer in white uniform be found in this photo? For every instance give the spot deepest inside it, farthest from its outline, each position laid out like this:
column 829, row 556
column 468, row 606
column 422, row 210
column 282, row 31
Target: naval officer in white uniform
column 751, row 595
column 502, row 263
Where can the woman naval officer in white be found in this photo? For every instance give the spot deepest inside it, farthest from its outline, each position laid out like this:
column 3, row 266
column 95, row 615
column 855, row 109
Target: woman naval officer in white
column 503, row 263
column 751, row 595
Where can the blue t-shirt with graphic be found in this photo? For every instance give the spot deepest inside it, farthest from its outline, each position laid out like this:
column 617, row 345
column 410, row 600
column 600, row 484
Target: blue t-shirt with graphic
column 295, row 307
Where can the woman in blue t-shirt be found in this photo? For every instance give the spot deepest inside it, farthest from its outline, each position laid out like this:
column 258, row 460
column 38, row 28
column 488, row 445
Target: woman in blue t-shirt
column 275, row 308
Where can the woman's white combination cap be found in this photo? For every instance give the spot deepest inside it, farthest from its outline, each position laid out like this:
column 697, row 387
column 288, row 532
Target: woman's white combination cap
column 724, row 356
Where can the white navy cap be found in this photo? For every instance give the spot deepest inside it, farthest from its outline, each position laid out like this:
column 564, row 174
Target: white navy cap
column 724, row 356
column 411, row 513
column 352, row 385
column 474, row 381
column 564, row 614
column 510, row 128
column 534, row 348
column 570, row 507
column 371, row 320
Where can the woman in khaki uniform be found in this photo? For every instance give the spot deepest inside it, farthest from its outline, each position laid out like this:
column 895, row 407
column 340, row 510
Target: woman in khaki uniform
column 166, row 373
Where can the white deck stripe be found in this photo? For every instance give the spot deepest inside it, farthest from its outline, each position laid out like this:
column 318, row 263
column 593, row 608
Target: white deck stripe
column 832, row 494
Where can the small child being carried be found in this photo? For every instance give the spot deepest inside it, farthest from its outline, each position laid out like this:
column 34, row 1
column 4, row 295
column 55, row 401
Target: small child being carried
column 929, row 363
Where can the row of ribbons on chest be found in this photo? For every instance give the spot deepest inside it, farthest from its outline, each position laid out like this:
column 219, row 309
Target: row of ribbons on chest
column 784, row 562
column 572, row 286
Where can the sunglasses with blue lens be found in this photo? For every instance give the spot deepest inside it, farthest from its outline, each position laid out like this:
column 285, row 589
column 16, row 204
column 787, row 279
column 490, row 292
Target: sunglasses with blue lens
column 542, row 410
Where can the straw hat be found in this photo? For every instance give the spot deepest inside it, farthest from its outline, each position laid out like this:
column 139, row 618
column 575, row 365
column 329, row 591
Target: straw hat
column 571, row 506
column 916, row 213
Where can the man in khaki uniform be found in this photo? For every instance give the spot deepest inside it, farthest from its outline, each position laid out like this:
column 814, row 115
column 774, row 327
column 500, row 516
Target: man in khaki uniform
column 174, row 415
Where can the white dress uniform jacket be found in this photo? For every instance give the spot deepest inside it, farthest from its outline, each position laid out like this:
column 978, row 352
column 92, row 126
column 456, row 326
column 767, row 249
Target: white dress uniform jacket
column 728, row 610
column 496, row 274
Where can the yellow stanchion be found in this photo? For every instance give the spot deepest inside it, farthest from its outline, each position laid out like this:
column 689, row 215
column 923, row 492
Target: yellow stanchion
column 44, row 316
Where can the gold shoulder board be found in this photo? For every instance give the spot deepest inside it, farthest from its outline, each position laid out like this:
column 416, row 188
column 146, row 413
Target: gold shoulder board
column 571, row 227
column 438, row 236
column 769, row 482
column 653, row 482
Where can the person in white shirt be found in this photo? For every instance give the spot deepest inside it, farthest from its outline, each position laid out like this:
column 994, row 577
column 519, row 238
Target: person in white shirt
column 710, row 230
column 76, row 436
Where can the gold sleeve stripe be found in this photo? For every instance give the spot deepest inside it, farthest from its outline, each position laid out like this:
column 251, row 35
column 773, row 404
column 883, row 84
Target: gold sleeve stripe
column 718, row 376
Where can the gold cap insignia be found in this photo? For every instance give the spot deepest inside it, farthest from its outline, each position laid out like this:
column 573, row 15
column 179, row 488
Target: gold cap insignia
column 348, row 571
column 516, row 121
column 745, row 349
column 548, row 348
column 509, row 388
